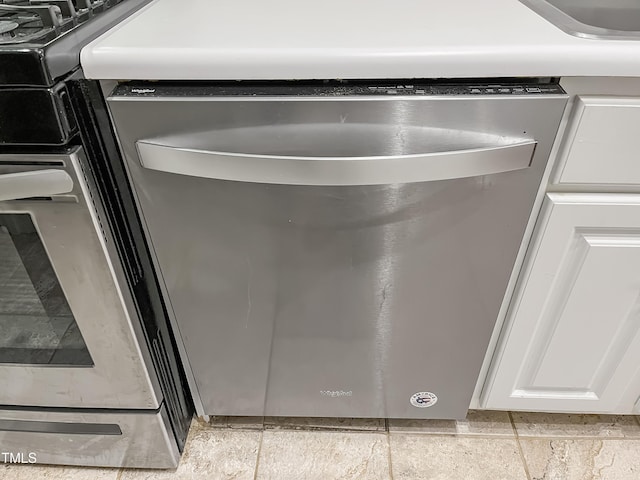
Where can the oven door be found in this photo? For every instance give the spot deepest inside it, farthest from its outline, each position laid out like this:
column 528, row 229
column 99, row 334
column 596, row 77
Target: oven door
column 66, row 337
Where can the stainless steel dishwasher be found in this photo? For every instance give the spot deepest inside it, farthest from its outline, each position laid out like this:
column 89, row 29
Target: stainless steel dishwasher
column 335, row 249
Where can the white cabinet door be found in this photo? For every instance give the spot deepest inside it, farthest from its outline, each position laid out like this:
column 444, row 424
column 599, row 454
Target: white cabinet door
column 572, row 341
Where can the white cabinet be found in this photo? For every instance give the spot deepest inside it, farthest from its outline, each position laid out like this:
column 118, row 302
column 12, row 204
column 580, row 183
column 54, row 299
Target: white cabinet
column 602, row 142
column 572, row 338
column 570, row 341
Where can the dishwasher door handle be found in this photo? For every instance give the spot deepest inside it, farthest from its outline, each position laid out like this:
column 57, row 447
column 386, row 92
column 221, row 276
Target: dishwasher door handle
column 37, row 183
column 336, row 171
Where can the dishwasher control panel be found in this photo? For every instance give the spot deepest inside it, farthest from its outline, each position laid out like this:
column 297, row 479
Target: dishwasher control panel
column 410, row 89
column 332, row 89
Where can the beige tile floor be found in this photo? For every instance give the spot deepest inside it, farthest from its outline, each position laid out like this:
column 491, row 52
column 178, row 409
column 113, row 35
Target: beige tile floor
column 488, row 445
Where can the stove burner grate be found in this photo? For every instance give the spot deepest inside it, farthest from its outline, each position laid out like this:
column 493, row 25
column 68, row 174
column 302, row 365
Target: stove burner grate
column 7, row 28
column 23, row 21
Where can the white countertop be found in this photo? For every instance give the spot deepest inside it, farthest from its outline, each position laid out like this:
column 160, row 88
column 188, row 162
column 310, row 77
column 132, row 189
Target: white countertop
column 327, row 39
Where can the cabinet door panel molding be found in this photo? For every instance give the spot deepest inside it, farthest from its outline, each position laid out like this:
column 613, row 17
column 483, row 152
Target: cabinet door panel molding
column 573, row 332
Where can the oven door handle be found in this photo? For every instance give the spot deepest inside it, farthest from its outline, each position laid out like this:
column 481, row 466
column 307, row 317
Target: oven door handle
column 336, row 171
column 37, row 183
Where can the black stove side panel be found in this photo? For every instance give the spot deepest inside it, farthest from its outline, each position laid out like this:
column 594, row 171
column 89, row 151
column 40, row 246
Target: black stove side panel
column 108, row 171
column 23, row 67
column 36, row 116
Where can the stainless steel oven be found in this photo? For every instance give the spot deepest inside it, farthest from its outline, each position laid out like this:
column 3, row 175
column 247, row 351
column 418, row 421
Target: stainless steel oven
column 89, row 373
column 77, row 387
column 66, row 331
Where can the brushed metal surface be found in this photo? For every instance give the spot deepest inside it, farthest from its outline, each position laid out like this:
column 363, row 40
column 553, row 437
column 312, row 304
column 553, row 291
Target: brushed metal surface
column 612, row 20
column 73, row 237
column 145, row 439
column 335, row 300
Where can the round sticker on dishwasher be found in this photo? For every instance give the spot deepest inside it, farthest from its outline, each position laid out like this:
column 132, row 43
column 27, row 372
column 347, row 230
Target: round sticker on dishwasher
column 423, row 399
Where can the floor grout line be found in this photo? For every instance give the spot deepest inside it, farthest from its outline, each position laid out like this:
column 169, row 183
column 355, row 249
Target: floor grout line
column 255, row 472
column 517, row 438
column 324, row 430
column 577, row 437
column 482, row 436
column 388, row 435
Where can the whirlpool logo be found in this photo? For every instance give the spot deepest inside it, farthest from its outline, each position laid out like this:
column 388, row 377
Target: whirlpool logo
column 336, row 393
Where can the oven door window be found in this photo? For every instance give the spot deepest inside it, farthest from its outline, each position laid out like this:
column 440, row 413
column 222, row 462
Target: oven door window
column 36, row 323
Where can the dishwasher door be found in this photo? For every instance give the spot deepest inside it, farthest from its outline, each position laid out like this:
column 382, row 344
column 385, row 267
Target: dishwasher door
column 340, row 254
